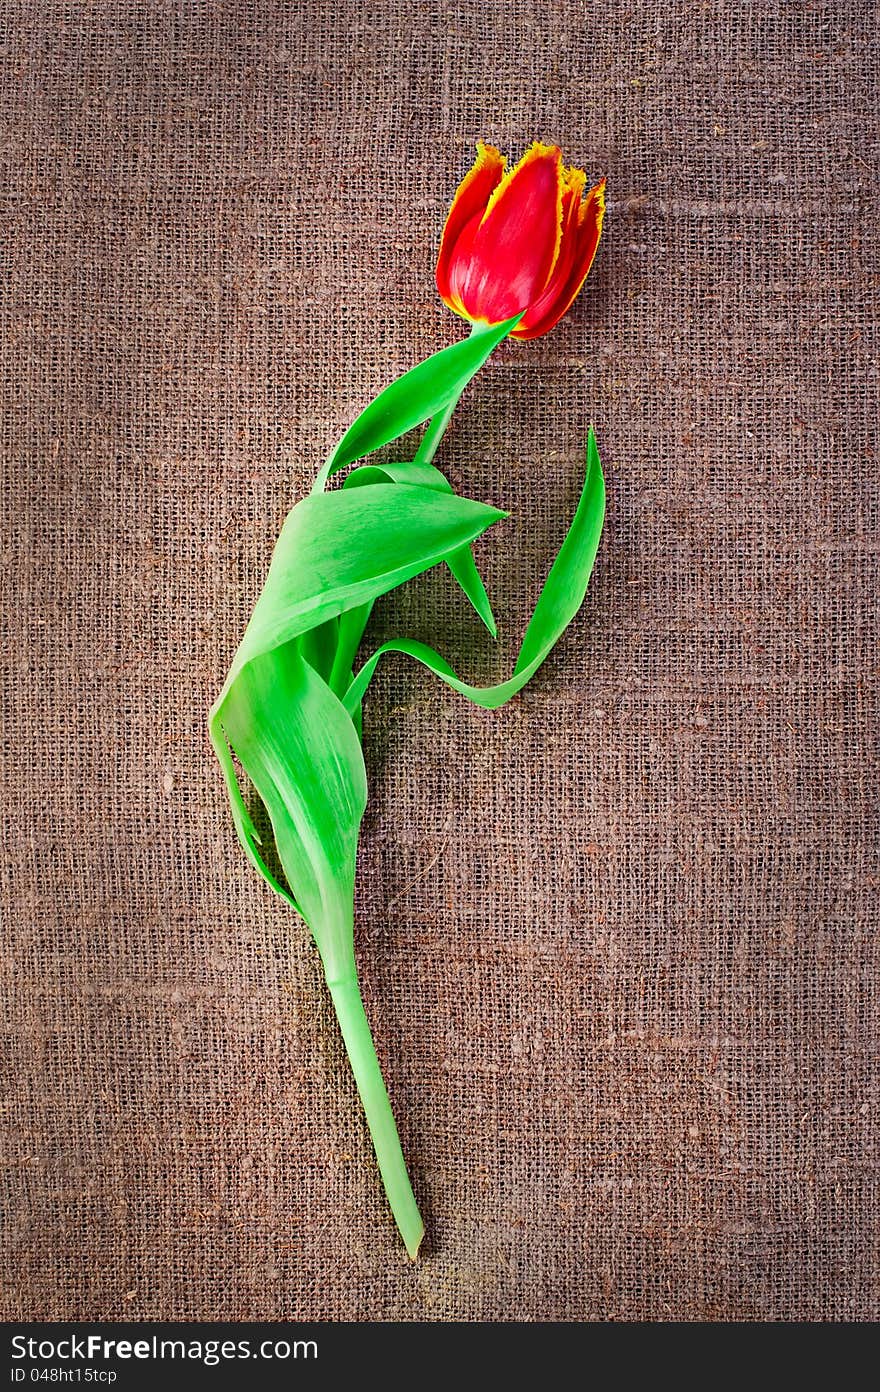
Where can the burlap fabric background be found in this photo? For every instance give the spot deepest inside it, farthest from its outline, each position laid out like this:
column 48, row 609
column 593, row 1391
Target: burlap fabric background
column 616, row 940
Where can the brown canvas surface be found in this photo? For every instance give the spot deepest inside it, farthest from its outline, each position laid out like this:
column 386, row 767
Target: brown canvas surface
column 617, row 940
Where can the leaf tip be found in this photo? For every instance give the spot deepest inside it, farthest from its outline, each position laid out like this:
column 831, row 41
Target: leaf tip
column 414, row 1243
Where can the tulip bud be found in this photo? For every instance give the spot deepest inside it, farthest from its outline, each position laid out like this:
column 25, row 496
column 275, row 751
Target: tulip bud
column 519, row 242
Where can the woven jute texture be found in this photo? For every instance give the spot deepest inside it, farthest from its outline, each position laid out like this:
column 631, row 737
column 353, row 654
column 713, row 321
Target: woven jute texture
column 616, row 940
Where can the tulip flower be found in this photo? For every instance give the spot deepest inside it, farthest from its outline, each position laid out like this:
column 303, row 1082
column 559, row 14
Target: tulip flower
column 290, row 715
column 520, row 241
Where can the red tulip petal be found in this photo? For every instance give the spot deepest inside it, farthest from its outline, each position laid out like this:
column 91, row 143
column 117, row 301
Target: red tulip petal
column 472, row 197
column 573, row 187
column 578, row 251
column 508, row 258
column 461, row 256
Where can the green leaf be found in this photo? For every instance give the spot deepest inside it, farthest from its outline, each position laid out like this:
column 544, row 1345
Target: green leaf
column 560, row 599
column 301, row 751
column 320, row 646
column 461, row 563
column 415, row 397
column 343, row 549
column 336, row 554
column 241, row 817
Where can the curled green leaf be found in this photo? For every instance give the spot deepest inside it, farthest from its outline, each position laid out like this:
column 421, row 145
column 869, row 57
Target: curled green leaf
column 559, row 601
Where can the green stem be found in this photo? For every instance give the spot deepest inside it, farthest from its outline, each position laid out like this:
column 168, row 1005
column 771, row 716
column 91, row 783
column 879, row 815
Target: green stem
column 434, row 433
column 437, row 424
column 380, row 1118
